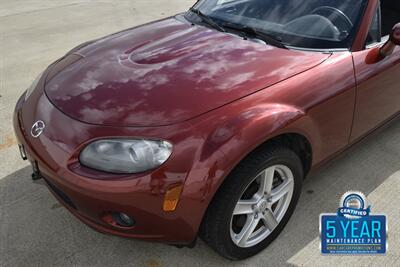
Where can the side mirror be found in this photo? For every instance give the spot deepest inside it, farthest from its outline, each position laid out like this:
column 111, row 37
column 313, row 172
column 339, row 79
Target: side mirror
column 394, row 40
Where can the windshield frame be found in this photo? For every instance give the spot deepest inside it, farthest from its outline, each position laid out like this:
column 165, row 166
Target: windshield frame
column 345, row 45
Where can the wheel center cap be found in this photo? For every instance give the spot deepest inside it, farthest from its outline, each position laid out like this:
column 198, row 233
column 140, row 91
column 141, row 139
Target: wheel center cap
column 262, row 205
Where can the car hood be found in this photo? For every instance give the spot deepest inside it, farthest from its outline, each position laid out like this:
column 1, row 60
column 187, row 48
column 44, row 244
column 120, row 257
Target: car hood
column 166, row 72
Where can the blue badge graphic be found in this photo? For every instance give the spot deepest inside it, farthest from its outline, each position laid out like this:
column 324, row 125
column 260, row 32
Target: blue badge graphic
column 353, row 229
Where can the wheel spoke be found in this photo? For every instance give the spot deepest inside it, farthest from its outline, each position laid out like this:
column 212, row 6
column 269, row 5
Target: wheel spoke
column 244, row 206
column 266, row 180
column 247, row 230
column 281, row 191
column 270, row 220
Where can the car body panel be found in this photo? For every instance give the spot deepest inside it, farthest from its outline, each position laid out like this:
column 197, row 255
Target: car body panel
column 94, row 193
column 264, row 116
column 378, row 90
column 231, row 130
column 217, row 129
column 171, row 74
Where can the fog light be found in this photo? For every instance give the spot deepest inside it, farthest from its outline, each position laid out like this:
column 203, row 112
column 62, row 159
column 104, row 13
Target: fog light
column 123, row 219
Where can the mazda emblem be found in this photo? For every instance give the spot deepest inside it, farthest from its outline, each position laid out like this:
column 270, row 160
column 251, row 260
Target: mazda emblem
column 37, row 128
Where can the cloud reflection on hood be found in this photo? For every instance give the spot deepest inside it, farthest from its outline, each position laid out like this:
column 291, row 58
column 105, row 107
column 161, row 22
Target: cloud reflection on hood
column 170, row 74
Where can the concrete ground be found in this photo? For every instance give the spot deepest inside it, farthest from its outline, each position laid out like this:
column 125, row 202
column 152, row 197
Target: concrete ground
column 36, row 231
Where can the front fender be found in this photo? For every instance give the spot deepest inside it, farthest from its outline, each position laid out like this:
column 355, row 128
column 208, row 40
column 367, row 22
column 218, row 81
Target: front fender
column 320, row 108
column 230, row 139
column 237, row 137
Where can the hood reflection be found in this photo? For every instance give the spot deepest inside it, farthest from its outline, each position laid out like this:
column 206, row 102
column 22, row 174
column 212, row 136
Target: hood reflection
column 170, row 73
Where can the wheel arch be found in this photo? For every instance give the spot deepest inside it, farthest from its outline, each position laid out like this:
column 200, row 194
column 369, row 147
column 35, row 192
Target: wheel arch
column 296, row 142
column 233, row 140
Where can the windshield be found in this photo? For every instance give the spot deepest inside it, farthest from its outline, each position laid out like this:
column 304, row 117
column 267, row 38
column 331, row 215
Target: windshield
column 320, row 24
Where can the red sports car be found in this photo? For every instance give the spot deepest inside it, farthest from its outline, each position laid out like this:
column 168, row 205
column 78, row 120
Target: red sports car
column 206, row 123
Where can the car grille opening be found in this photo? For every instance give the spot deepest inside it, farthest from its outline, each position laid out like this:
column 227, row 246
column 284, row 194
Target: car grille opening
column 61, row 194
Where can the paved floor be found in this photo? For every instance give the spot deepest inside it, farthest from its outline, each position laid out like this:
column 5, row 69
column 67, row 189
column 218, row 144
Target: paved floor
column 36, row 231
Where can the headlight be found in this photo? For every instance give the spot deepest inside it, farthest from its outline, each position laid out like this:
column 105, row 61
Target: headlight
column 125, row 155
column 33, row 86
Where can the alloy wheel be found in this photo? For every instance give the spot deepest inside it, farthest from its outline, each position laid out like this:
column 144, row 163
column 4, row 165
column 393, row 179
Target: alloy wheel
column 262, row 206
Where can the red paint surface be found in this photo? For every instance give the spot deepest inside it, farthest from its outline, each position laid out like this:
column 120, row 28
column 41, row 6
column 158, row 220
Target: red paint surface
column 168, row 72
column 214, row 96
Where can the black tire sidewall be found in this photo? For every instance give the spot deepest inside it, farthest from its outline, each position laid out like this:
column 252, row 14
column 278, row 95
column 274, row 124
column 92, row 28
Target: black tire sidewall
column 280, row 157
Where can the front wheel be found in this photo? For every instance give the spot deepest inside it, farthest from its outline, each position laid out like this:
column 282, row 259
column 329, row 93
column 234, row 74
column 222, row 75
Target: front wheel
column 254, row 203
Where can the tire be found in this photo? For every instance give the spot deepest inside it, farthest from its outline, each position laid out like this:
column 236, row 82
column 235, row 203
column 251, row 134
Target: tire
column 222, row 230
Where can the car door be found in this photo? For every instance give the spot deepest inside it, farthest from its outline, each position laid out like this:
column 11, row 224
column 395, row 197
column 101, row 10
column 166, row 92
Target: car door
column 378, row 84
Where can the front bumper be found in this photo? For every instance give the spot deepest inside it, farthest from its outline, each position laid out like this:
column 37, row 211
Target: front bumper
column 91, row 196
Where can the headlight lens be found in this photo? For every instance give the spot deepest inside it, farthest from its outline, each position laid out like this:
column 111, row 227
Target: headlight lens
column 125, row 155
column 33, row 86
